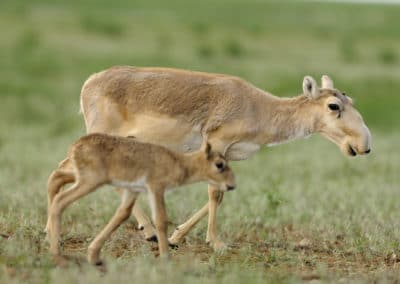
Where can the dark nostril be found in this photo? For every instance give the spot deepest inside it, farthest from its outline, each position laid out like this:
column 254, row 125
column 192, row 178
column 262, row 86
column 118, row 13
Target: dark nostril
column 368, row 151
column 230, row 187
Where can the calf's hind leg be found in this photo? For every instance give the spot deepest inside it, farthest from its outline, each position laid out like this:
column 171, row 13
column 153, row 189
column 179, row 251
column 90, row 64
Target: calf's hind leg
column 123, row 212
column 60, row 203
column 56, row 181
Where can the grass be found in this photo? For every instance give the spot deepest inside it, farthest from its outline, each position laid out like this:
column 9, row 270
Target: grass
column 301, row 212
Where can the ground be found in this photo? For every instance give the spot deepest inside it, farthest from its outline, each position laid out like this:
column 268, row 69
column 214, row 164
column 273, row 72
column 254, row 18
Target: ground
column 301, row 211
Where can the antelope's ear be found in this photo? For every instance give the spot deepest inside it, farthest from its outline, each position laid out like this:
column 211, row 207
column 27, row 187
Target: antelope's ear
column 310, row 88
column 326, row 82
column 207, row 150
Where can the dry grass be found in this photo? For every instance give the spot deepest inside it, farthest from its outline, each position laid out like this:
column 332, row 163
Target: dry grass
column 302, row 212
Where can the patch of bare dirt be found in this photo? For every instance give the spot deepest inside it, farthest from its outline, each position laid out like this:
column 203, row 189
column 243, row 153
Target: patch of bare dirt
column 292, row 250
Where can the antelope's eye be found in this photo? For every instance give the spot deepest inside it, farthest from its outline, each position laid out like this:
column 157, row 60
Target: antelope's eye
column 333, row 107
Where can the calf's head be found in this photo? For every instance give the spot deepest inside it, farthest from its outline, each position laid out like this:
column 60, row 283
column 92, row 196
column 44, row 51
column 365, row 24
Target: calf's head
column 216, row 169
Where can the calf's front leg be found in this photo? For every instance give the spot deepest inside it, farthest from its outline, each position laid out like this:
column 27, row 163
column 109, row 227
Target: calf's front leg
column 160, row 219
column 123, row 212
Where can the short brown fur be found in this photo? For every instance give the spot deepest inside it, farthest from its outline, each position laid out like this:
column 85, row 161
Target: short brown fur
column 99, row 159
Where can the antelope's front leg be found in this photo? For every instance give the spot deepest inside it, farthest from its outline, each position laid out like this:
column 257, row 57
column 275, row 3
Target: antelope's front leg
column 215, row 198
column 144, row 223
column 181, row 231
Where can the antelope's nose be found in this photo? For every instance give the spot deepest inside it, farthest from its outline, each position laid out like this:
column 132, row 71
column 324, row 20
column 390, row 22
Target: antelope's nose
column 368, row 151
column 230, row 187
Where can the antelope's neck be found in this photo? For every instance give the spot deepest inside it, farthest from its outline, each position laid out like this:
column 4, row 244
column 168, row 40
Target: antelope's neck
column 286, row 119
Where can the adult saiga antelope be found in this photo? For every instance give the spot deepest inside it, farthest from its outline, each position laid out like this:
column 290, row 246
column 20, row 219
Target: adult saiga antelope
column 178, row 109
column 98, row 159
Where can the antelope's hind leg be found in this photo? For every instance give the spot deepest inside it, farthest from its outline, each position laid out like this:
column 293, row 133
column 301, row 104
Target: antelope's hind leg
column 144, row 222
column 123, row 212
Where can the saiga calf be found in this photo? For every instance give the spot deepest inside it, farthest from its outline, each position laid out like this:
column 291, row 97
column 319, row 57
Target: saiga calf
column 99, row 159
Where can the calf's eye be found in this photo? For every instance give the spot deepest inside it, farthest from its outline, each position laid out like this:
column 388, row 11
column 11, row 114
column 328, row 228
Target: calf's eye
column 220, row 166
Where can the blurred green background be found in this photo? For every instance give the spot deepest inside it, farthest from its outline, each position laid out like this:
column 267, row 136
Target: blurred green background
column 49, row 48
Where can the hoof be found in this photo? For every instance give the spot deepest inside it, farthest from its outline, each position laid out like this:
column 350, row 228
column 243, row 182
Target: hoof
column 173, row 246
column 148, row 231
column 153, row 238
column 176, row 237
column 101, row 266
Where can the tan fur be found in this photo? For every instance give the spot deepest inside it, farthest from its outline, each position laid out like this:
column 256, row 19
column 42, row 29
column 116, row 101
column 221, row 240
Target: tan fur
column 179, row 109
column 98, row 159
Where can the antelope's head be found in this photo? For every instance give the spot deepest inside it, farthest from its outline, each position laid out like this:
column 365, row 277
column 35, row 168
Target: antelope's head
column 337, row 119
column 216, row 169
